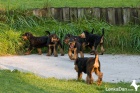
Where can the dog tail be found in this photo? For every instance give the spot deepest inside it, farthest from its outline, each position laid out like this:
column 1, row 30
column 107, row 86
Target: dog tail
column 92, row 31
column 103, row 32
column 47, row 32
column 96, row 64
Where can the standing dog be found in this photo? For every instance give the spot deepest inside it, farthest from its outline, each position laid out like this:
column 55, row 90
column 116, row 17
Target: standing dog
column 74, row 48
column 94, row 40
column 89, row 65
column 35, row 42
column 77, row 38
column 53, row 43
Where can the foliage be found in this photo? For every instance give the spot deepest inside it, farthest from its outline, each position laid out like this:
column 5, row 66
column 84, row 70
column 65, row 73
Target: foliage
column 18, row 82
column 29, row 4
column 118, row 39
column 16, row 20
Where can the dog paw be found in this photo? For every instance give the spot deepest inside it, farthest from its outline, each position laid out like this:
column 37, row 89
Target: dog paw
column 99, row 83
column 39, row 53
column 55, row 55
column 92, row 53
column 101, row 53
column 27, row 53
column 48, row 55
column 62, row 54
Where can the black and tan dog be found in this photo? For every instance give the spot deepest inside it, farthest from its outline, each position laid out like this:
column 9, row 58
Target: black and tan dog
column 88, row 66
column 53, row 44
column 35, row 42
column 94, row 40
column 82, row 41
column 74, row 48
column 77, row 38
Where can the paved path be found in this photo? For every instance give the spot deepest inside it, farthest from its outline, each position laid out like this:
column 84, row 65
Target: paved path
column 116, row 68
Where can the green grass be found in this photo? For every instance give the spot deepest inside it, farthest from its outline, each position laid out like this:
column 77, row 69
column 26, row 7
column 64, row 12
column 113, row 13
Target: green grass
column 118, row 39
column 16, row 21
column 18, row 82
column 29, row 4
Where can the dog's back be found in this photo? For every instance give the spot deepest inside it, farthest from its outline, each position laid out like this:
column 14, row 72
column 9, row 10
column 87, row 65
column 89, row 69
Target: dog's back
column 81, row 63
column 91, row 62
column 39, row 41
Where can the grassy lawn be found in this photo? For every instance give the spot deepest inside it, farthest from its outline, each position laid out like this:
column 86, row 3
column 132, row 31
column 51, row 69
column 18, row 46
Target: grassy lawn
column 26, row 4
column 18, row 82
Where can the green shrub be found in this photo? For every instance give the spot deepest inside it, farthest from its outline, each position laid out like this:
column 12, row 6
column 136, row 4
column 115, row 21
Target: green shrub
column 118, row 39
column 10, row 40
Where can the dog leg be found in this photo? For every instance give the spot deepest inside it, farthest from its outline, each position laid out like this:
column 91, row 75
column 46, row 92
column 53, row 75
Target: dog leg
column 100, row 75
column 79, row 75
column 55, row 52
column 27, row 53
column 89, row 78
column 93, row 49
column 29, row 50
column 83, row 46
column 62, row 52
column 61, row 49
column 76, row 68
column 39, row 51
column 50, row 51
column 81, row 54
column 75, row 54
column 70, row 54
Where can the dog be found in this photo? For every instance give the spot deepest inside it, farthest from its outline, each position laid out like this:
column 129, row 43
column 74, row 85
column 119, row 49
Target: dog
column 35, row 42
column 53, row 43
column 135, row 85
column 88, row 66
column 74, row 48
column 93, row 40
column 77, row 38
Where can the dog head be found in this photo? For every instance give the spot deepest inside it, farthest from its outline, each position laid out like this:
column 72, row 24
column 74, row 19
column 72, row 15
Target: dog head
column 72, row 42
column 84, row 34
column 54, row 38
column 27, row 36
column 67, row 38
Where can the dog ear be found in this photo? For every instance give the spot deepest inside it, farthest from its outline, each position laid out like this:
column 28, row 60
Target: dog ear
column 28, row 35
column 48, row 32
column 86, row 32
column 68, row 35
